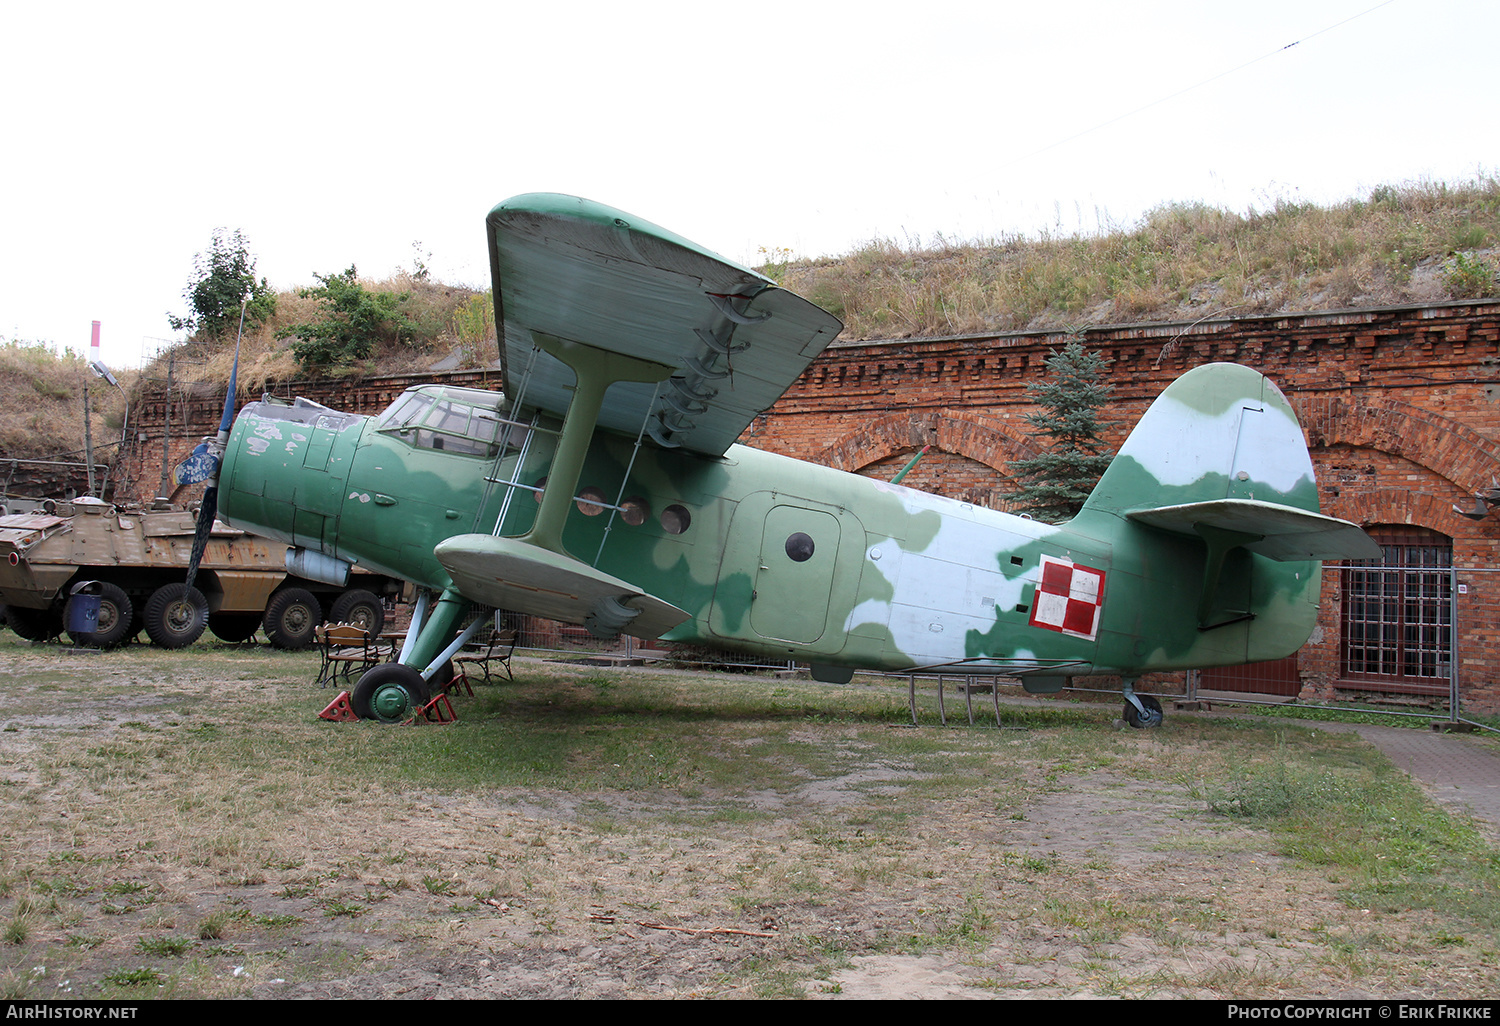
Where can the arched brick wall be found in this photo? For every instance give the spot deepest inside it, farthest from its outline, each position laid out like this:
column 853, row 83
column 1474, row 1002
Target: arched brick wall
column 1440, row 443
column 955, row 431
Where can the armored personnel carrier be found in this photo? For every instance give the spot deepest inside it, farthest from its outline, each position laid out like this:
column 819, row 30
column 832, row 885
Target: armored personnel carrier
column 58, row 558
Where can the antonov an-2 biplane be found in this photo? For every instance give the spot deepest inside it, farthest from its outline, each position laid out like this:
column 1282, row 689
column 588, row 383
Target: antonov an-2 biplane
column 604, row 487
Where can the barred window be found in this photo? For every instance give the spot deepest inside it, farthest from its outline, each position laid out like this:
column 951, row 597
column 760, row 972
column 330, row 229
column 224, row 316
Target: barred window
column 1398, row 613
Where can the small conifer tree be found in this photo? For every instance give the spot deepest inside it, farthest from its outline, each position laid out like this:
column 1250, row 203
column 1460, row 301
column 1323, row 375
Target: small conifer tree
column 1053, row 485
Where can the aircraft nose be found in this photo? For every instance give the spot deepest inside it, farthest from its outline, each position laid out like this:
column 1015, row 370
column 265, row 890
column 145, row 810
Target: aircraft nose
column 285, row 470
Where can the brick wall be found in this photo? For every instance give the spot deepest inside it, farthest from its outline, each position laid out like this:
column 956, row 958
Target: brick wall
column 1401, row 406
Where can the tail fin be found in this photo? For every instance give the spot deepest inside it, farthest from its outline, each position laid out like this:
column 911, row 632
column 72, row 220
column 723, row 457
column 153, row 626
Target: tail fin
column 1220, row 455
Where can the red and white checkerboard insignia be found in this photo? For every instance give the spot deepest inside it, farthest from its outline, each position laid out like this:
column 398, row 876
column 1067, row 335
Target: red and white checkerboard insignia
column 1068, row 599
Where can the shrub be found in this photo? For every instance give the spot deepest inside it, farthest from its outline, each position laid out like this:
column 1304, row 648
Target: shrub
column 1469, row 276
column 354, row 320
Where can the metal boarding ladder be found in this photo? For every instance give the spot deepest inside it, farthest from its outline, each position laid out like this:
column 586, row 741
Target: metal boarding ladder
column 528, row 432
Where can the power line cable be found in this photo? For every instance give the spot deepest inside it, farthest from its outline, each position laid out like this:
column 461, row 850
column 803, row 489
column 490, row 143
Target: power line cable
column 1199, row 85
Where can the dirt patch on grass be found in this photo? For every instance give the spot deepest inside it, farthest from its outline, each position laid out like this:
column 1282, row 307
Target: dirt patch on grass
column 195, row 831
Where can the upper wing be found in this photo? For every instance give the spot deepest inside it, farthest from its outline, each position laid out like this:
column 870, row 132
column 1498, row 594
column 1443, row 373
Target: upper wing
column 578, row 270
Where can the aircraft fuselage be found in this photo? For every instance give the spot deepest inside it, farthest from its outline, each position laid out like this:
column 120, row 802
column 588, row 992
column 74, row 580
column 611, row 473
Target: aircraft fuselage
column 765, row 553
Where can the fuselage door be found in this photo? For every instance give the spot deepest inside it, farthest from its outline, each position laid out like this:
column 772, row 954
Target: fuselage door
column 795, row 577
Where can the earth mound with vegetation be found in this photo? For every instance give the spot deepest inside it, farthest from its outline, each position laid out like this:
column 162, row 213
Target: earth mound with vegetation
column 1425, row 242
column 1422, row 242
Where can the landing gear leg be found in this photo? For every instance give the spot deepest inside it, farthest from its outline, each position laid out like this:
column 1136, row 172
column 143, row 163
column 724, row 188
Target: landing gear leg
column 391, row 692
column 1140, row 710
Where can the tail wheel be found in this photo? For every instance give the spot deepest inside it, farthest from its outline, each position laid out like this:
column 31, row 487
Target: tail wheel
column 389, row 693
column 291, row 616
column 176, row 615
column 1153, row 715
column 116, row 614
column 362, row 609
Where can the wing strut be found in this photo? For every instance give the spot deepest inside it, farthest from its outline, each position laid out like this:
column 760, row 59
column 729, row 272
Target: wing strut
column 595, row 370
column 534, row 573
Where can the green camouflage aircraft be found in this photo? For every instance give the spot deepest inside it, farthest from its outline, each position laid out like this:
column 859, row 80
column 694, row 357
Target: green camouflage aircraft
column 604, row 488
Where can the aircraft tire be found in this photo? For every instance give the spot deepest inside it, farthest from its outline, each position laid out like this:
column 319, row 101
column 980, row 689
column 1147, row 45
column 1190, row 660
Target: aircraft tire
column 362, row 609
column 34, row 624
column 1153, row 715
column 389, row 693
column 291, row 616
column 176, row 615
column 115, row 618
column 234, row 627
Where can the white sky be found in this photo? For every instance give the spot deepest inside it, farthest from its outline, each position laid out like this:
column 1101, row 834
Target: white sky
column 339, row 133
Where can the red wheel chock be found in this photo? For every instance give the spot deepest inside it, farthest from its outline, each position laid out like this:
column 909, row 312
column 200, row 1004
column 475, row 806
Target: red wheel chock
column 340, row 710
column 437, row 710
column 459, row 685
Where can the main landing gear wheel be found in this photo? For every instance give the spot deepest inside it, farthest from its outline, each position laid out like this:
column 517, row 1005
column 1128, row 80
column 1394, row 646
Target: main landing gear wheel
column 1153, row 712
column 389, row 693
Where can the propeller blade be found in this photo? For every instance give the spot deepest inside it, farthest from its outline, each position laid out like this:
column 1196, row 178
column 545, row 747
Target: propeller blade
column 202, row 529
column 202, row 464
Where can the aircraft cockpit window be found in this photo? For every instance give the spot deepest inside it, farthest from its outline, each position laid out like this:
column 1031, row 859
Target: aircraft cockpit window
column 450, row 417
column 485, row 426
column 444, row 423
column 405, row 411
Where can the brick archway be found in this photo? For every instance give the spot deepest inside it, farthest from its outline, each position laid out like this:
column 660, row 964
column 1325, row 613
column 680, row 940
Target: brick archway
column 951, row 431
column 1440, row 444
column 1399, row 506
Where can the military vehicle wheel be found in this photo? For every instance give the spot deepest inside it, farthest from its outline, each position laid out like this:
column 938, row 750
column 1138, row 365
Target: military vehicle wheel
column 34, row 624
column 176, row 615
column 291, row 616
column 389, row 693
column 233, row 627
column 113, row 624
column 362, row 609
column 1153, row 715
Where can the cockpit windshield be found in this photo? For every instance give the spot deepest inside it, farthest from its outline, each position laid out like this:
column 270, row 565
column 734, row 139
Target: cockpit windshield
column 467, row 421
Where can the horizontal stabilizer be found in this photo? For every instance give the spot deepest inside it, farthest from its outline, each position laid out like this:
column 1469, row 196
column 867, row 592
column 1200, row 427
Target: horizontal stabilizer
column 508, row 573
column 1277, row 532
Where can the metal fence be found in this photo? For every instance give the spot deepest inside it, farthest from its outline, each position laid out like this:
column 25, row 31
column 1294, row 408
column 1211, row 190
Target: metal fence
column 1401, row 639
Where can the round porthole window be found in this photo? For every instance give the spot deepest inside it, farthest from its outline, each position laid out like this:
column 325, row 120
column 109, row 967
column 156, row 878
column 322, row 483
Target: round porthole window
column 634, row 511
column 591, row 501
column 675, row 519
column 799, row 547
